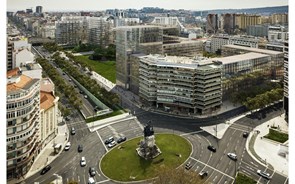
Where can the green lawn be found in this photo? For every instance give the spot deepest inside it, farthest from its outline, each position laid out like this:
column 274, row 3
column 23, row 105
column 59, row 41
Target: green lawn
column 277, row 136
column 243, row 179
column 114, row 113
column 106, row 68
column 120, row 164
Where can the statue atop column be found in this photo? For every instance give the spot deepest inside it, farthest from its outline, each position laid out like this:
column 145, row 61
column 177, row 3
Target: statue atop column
column 147, row 147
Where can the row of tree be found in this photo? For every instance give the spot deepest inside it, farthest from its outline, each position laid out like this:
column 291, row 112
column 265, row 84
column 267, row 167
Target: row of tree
column 60, row 84
column 100, row 53
column 264, row 99
column 108, row 98
column 52, row 47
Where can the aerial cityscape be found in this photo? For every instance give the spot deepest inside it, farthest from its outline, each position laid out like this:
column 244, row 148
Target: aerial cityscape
column 157, row 92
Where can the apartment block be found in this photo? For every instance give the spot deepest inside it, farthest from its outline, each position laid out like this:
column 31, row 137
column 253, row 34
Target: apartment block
column 132, row 40
column 212, row 23
column 180, row 84
column 23, row 123
column 242, row 21
column 286, row 80
column 277, row 33
column 279, row 18
column 257, row 30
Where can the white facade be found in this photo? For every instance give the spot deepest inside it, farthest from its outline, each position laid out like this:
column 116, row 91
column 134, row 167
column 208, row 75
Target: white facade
column 217, row 41
column 126, row 21
column 33, row 70
column 23, row 57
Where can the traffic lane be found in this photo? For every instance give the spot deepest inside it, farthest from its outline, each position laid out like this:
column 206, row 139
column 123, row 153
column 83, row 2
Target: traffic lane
column 278, row 178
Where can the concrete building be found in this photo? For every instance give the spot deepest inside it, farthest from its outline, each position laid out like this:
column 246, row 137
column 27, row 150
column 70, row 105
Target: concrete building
column 99, row 31
column 71, row 30
column 184, row 48
column 168, row 21
column 212, row 24
column 229, row 23
column 126, row 21
column 48, row 111
column 257, row 30
column 277, row 33
column 180, row 84
column 277, row 58
column 286, row 80
column 243, row 40
column 131, row 40
column 33, row 70
column 39, row 9
column 47, row 31
column 279, row 18
column 23, row 123
column 245, row 20
column 217, row 41
column 18, row 52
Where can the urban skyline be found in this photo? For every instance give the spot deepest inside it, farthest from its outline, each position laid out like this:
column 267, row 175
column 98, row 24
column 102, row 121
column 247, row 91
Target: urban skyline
column 88, row 5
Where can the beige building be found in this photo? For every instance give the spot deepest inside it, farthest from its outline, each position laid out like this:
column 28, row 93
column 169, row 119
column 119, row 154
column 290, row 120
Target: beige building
column 279, row 18
column 245, row 20
column 48, row 111
column 184, row 48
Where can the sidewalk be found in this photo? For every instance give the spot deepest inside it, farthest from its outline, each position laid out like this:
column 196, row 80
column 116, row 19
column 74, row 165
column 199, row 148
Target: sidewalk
column 269, row 150
column 46, row 156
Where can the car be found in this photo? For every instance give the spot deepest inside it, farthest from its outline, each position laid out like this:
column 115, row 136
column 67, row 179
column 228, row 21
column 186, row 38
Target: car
column 73, row 131
column 85, row 96
column 112, row 144
column 80, row 148
column 91, row 181
column 203, row 174
column 63, row 73
column 91, row 171
column 211, row 148
column 83, row 162
column 245, row 134
column 263, row 174
column 45, row 169
column 109, row 140
column 68, row 119
column 67, row 146
column 81, row 92
column 232, row 156
column 121, row 139
column 188, row 165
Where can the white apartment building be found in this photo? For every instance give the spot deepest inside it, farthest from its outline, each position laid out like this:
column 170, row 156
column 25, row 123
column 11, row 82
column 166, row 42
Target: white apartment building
column 180, row 84
column 277, row 33
column 48, row 111
column 23, row 122
column 217, row 41
column 118, row 21
column 99, row 30
column 168, row 21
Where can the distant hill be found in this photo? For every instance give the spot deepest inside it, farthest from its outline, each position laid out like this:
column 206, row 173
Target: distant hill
column 262, row 11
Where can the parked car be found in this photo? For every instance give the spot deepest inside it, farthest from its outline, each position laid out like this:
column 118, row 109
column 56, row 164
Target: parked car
column 203, row 174
column 245, row 134
column 112, row 144
column 67, row 146
column 85, row 96
column 109, row 140
column 121, row 139
column 73, row 131
column 232, row 156
column 91, row 180
column 211, row 148
column 91, row 171
column 263, row 174
column 45, row 169
column 188, row 165
column 83, row 162
column 80, row 148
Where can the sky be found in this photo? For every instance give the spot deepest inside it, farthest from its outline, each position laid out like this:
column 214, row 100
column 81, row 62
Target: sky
column 53, row 5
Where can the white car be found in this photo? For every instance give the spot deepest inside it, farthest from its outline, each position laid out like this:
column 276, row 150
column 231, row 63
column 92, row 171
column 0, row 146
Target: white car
column 67, row 147
column 83, row 161
column 232, row 156
column 112, row 144
column 263, row 174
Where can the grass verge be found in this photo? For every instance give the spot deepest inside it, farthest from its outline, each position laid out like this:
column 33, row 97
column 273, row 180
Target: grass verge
column 123, row 164
column 244, row 179
column 114, row 113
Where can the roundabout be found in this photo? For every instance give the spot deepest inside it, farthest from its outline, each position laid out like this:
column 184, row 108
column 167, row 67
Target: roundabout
column 122, row 163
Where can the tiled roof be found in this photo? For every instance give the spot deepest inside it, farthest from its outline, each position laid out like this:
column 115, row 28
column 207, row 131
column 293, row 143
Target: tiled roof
column 22, row 83
column 46, row 100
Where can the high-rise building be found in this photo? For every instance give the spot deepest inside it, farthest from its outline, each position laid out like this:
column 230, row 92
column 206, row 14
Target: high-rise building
column 229, row 23
column 245, row 20
column 131, row 40
column 212, row 24
column 23, row 122
column 279, row 18
column 257, row 30
column 286, row 80
column 99, row 30
column 39, row 9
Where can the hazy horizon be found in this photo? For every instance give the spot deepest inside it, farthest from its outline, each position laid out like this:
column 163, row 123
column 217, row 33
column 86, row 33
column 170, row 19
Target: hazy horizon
column 92, row 5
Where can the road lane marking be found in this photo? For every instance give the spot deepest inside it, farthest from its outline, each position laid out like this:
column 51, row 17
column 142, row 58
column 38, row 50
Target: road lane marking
column 192, row 133
column 102, row 141
column 139, row 124
column 221, row 179
column 212, row 168
column 254, row 164
column 102, row 181
column 237, row 129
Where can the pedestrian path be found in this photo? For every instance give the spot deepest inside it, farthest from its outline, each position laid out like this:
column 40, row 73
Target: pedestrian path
column 47, row 155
